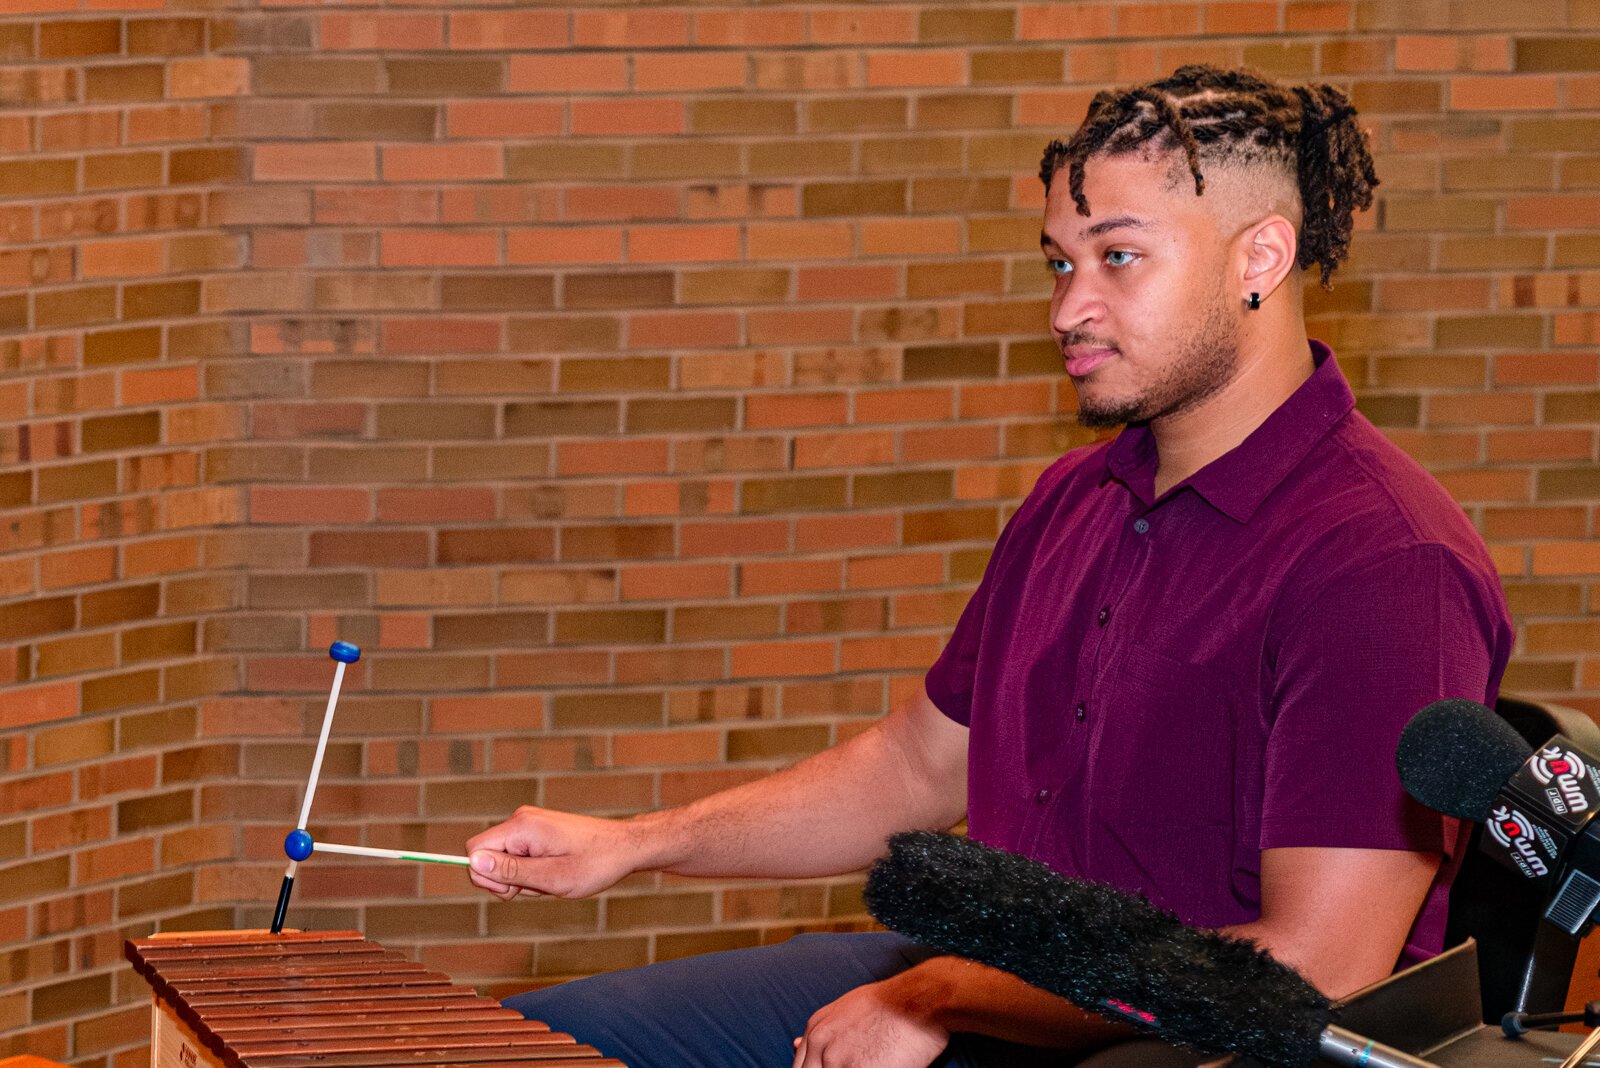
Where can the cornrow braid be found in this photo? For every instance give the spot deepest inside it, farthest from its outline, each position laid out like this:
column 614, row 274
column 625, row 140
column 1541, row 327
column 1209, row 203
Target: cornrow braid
column 1235, row 116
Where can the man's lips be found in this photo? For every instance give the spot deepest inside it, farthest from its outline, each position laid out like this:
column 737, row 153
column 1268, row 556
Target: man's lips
column 1081, row 360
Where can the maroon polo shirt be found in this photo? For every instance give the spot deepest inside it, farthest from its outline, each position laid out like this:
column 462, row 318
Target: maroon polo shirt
column 1160, row 689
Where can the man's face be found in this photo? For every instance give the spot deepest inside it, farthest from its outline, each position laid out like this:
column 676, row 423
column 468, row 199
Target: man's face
column 1139, row 308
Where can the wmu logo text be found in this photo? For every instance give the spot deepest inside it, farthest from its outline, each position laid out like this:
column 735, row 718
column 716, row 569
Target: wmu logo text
column 1511, row 829
column 1559, row 772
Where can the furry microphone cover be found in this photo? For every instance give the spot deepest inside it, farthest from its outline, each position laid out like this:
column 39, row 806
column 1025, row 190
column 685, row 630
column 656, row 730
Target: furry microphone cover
column 1107, row 951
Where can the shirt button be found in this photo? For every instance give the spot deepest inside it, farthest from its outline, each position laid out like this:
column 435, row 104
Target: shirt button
column 1141, row 526
column 1105, row 616
column 1042, row 796
column 1080, row 711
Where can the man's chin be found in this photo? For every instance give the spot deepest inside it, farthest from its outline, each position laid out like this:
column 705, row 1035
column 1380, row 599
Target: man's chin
column 1103, row 416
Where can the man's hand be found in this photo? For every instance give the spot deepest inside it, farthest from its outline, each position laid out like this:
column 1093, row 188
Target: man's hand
column 556, row 853
column 881, row 1025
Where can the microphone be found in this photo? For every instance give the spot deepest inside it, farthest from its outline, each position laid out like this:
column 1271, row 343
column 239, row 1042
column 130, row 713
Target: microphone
column 1110, row 952
column 1537, row 805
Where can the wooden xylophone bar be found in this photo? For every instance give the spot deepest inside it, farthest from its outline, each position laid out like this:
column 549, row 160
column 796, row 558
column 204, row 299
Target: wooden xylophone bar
column 251, row 999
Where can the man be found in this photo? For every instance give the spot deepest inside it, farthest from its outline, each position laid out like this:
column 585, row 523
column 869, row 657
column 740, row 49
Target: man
column 1184, row 672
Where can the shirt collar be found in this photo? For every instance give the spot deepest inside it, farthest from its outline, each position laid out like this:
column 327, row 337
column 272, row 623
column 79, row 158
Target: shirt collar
column 1236, row 482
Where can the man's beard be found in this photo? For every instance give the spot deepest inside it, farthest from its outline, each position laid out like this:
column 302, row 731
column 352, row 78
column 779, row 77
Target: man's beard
column 1201, row 367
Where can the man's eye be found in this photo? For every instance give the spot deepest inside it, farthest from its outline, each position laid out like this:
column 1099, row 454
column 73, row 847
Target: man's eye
column 1120, row 257
column 1058, row 267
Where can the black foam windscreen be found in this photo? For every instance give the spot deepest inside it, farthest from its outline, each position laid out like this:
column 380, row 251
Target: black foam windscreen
column 1105, row 950
column 1455, row 756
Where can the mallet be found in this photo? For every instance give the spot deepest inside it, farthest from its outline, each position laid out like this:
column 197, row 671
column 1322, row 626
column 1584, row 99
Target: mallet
column 300, row 845
column 343, row 654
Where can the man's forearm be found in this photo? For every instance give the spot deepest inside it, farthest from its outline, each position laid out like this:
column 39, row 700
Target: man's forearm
column 961, row 995
column 827, row 815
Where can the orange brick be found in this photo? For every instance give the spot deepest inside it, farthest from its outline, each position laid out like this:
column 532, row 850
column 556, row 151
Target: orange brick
column 294, row 504
column 678, row 329
column 655, row 72
column 1304, row 15
column 441, row 163
column 37, row 704
column 910, row 237
column 796, row 410
column 485, row 713
column 612, row 29
column 783, row 659
column 79, row 567
column 550, row 244
column 1241, row 18
column 1514, row 93
column 320, row 162
column 904, row 405
column 675, row 582
column 800, row 326
column 496, row 119
column 680, row 244
column 568, row 72
column 636, row 456
column 208, row 77
column 762, row 578
column 903, row 569
column 121, row 259
column 861, row 25
column 914, row 652
column 799, row 240
column 439, row 248
column 160, row 386
column 508, row 30
column 839, row 449
column 631, row 116
column 922, row 67
column 1566, row 558
column 749, row 29
column 1063, row 22
column 368, row 31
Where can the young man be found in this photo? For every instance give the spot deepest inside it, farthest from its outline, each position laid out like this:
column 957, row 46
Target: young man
column 1184, row 672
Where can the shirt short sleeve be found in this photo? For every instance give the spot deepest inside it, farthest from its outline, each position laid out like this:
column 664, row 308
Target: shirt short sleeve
column 1365, row 652
column 951, row 680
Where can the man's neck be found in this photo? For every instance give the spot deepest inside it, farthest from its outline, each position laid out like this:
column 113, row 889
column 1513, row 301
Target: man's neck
column 1271, row 368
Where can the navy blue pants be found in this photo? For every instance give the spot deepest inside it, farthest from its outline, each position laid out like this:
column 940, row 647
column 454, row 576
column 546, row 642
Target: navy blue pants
column 743, row 1008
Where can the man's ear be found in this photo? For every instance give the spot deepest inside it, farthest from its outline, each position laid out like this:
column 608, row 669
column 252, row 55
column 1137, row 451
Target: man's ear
column 1269, row 248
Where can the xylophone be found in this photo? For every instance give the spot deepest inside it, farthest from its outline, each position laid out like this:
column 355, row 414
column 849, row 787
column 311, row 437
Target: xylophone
column 331, row 999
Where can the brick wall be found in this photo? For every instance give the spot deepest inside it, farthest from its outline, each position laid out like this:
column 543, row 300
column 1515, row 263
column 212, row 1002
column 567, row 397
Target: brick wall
column 642, row 387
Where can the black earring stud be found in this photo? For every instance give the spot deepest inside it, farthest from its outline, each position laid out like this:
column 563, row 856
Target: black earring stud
column 1255, row 301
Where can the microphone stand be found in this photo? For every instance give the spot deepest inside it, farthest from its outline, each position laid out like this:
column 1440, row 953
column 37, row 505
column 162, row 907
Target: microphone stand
column 1577, row 1056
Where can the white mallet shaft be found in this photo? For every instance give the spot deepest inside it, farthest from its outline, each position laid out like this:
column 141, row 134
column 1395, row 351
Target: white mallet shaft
column 391, row 854
column 322, row 746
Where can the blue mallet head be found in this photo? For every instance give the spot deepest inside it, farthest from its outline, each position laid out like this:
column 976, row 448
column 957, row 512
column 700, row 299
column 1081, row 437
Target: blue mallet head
column 344, row 652
column 298, row 845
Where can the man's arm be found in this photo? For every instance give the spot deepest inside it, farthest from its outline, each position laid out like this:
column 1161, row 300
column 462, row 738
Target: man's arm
column 828, row 814
column 1339, row 916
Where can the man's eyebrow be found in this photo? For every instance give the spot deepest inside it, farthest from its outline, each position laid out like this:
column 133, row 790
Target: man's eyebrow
column 1105, row 226
column 1117, row 222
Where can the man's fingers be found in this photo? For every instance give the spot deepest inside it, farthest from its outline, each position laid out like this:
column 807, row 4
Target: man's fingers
column 502, row 873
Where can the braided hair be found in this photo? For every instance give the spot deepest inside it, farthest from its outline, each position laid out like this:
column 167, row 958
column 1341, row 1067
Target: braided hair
column 1233, row 117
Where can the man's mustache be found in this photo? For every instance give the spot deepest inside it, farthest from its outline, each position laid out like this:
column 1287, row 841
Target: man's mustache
column 1077, row 339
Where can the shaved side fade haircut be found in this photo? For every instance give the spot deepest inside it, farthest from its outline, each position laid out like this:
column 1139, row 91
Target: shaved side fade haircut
column 1233, row 118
